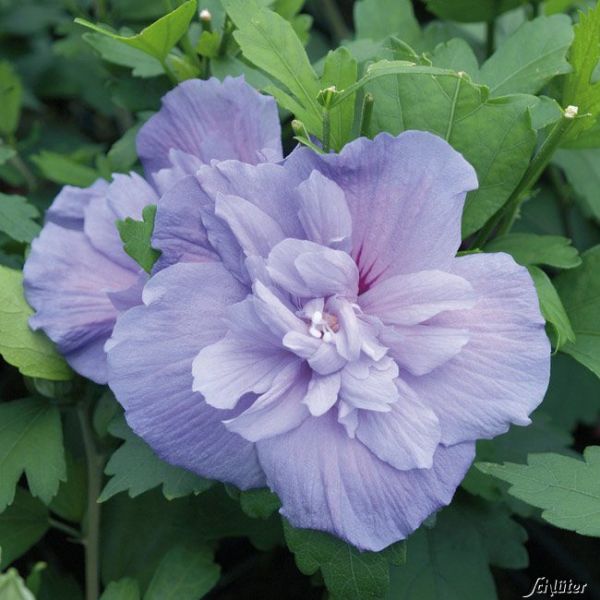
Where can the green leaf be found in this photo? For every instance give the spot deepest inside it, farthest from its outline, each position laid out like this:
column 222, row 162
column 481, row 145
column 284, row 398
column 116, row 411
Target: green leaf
column 184, row 575
column 567, row 489
column 6, row 153
column 70, row 501
column 572, row 396
column 449, row 561
column 12, row 587
column 552, row 308
column 288, row 9
column 546, row 112
column 471, row 11
column 157, row 39
column 579, row 291
column 581, row 88
column 17, row 218
column 182, row 67
column 378, row 19
column 124, row 589
column 545, row 213
column 31, row 352
column 533, row 55
column 557, row 6
column 30, row 429
column 137, row 237
column 543, row 435
column 56, row 584
column 107, row 409
column 120, row 53
column 209, row 43
column 136, row 469
column 231, row 66
column 268, row 41
column 494, row 135
column 582, row 169
column 21, row 526
column 64, row 170
column 123, row 154
column 136, row 532
column 34, row 579
column 341, row 71
column 348, row 573
column 502, row 538
column 456, row 55
column 531, row 249
column 259, row 503
column 11, row 92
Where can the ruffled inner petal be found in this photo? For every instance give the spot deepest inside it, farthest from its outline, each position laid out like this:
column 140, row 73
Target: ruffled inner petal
column 324, row 213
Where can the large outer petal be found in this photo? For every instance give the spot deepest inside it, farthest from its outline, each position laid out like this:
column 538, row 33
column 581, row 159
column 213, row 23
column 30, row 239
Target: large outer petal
column 329, row 482
column 501, row 375
column 150, row 370
column 69, row 205
column 212, row 120
column 67, row 282
column 405, row 195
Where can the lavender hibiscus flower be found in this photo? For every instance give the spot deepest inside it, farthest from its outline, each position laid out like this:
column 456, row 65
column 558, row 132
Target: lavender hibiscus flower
column 323, row 339
column 78, row 277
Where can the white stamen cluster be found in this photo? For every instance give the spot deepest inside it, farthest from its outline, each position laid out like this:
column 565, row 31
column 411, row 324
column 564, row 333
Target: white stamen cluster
column 319, row 327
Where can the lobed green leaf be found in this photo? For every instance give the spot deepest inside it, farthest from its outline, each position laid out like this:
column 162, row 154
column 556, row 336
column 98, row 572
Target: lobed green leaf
column 160, row 37
column 137, row 238
column 21, row 526
column 567, row 489
column 552, row 308
column 533, row 55
column 17, row 218
column 184, row 574
column 349, row 574
column 135, row 469
column 579, row 291
column 30, row 429
column 31, row 352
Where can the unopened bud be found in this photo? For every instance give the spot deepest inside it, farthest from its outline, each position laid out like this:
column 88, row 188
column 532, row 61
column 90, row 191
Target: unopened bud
column 571, row 112
column 327, row 95
column 206, row 20
column 299, row 129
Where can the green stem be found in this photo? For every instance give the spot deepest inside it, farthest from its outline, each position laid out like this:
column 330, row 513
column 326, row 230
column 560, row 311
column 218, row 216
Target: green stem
column 504, row 219
column 91, row 537
column 21, row 166
column 366, row 114
column 189, row 51
column 565, row 197
column 60, row 526
column 536, row 168
column 326, row 131
column 226, row 35
column 334, row 17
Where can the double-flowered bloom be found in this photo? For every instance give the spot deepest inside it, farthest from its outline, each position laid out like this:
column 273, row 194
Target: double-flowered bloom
column 309, row 327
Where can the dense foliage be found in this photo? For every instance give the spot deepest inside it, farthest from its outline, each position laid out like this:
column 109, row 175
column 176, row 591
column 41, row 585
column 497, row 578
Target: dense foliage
column 86, row 508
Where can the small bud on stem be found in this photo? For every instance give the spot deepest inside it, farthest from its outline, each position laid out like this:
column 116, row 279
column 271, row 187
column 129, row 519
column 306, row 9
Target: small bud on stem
column 206, row 20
